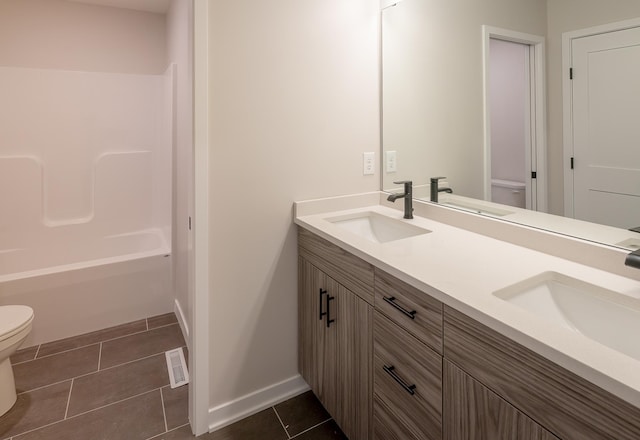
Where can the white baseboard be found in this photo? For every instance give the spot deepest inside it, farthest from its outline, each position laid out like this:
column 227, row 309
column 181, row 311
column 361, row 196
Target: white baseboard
column 230, row 412
column 182, row 321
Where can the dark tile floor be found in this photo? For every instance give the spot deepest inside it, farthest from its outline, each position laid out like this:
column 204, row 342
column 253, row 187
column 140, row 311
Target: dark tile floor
column 113, row 385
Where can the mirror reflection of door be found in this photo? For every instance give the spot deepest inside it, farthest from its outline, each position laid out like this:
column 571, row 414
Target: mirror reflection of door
column 606, row 127
column 510, row 115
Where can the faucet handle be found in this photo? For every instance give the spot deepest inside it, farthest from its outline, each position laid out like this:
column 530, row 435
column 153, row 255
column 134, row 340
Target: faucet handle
column 435, row 179
column 406, row 182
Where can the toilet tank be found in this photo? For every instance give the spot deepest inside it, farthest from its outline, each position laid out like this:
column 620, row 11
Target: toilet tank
column 508, row 192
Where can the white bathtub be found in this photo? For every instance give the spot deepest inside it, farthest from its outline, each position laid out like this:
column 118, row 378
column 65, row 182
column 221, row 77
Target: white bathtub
column 81, row 285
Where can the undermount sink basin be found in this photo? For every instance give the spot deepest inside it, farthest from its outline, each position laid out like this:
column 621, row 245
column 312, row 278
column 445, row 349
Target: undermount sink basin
column 477, row 208
column 377, row 227
column 602, row 315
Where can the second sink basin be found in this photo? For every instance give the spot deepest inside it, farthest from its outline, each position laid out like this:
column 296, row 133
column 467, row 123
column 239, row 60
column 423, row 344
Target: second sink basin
column 377, row 227
column 602, row 315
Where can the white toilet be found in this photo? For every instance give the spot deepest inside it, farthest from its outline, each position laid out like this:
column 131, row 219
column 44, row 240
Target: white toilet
column 15, row 325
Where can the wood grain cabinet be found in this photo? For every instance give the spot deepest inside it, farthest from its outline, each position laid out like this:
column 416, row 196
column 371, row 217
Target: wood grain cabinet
column 407, row 386
column 417, row 370
column 473, row 412
column 335, row 348
column 565, row 404
column 407, row 374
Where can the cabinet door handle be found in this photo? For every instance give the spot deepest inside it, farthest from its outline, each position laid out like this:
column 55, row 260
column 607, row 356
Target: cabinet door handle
column 322, row 292
column 329, row 320
column 391, row 371
column 392, row 300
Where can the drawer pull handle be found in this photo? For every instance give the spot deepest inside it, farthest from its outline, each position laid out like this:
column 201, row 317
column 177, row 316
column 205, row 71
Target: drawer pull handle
column 391, row 372
column 392, row 300
column 329, row 320
column 322, row 292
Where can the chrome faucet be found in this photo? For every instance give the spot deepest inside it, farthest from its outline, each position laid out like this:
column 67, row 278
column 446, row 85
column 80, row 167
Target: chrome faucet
column 407, row 195
column 435, row 190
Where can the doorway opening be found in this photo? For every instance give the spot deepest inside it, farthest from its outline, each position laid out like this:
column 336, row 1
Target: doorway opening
column 514, row 119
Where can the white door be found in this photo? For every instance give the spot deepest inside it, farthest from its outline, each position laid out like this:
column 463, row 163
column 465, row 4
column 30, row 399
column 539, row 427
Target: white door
column 606, row 124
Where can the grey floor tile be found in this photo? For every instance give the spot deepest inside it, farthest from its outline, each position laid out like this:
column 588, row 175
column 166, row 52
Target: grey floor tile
column 176, row 405
column 92, row 338
column 261, row 426
column 327, row 431
column 35, row 409
column 301, row 412
column 141, row 345
column 182, row 433
column 24, row 354
column 138, row 418
column 56, row 368
column 114, row 384
column 162, row 320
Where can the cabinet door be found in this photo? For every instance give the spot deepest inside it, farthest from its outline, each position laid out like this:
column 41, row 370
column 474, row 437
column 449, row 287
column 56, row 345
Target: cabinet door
column 473, row 412
column 354, row 325
column 335, row 348
column 317, row 342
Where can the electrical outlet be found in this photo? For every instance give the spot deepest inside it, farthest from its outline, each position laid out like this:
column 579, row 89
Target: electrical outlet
column 368, row 163
column 390, row 162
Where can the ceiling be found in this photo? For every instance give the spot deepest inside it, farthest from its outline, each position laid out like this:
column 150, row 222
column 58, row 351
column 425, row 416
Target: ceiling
column 157, row 6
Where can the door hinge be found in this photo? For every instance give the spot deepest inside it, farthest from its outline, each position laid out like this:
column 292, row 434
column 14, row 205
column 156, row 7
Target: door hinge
column 189, row 222
column 570, row 72
column 572, row 163
column 534, row 175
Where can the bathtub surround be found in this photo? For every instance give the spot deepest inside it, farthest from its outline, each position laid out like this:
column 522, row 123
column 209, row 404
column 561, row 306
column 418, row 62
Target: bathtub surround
column 88, row 139
column 94, row 193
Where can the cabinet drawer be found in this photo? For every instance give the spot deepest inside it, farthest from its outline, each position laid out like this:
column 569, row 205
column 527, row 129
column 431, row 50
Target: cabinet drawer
column 407, row 385
column 347, row 269
column 413, row 310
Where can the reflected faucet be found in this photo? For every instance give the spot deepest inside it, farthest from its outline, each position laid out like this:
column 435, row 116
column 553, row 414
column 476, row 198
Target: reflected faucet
column 407, row 195
column 633, row 259
column 435, row 190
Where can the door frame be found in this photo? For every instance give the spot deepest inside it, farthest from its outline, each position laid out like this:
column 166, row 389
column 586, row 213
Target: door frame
column 199, row 254
column 567, row 99
column 537, row 127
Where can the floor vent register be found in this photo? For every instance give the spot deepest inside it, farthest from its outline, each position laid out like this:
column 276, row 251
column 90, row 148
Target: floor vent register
column 178, row 373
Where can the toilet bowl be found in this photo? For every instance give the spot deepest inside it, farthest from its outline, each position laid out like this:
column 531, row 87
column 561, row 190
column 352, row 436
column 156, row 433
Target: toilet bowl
column 15, row 325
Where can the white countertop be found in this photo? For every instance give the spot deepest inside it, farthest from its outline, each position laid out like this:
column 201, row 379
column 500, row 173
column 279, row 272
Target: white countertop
column 463, row 269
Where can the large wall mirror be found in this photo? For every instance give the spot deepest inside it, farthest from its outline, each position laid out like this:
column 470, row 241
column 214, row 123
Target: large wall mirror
column 479, row 92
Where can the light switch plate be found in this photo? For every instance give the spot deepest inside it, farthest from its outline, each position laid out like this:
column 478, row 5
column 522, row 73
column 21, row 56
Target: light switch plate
column 390, row 164
column 368, row 163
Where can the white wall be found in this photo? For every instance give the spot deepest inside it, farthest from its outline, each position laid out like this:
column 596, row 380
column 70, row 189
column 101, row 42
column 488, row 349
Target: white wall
column 433, row 104
column 293, row 105
column 179, row 51
column 565, row 16
column 57, row 34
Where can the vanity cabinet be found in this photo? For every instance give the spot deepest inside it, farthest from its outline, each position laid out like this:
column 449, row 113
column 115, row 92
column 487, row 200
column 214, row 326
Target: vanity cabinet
column 473, row 412
column 565, row 404
column 407, row 362
column 335, row 337
column 390, row 362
